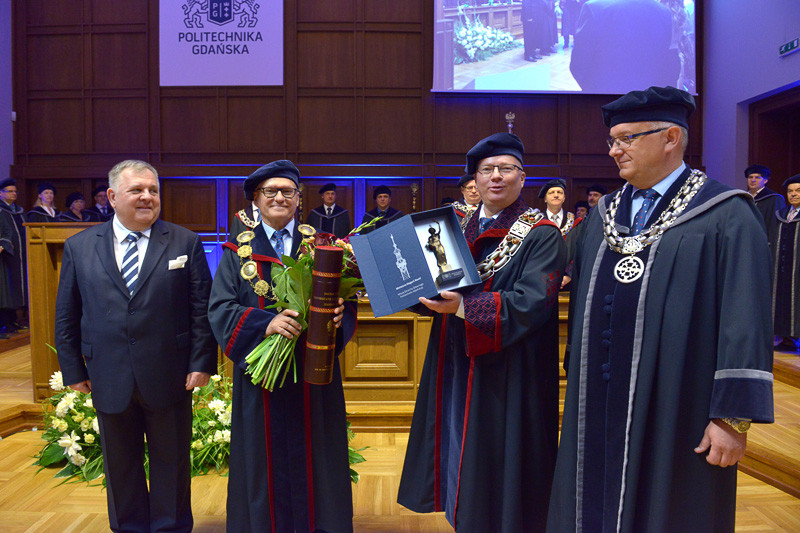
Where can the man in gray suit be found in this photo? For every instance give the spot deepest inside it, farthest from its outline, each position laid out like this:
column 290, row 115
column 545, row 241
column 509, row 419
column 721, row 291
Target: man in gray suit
column 132, row 329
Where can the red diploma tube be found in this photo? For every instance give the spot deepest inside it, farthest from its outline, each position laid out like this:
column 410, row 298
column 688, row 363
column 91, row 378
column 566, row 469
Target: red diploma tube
column 321, row 335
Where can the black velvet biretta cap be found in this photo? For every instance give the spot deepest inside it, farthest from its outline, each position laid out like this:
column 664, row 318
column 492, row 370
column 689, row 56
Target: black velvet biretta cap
column 582, row 203
column 466, row 178
column 99, row 189
column 497, row 144
column 281, row 168
column 44, row 186
column 757, row 169
column 558, row 182
column 793, row 179
column 597, row 188
column 328, row 187
column 655, row 104
column 380, row 189
column 7, row 183
column 72, row 197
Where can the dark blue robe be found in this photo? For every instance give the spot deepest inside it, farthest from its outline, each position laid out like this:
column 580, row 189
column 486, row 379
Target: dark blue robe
column 390, row 215
column 484, row 432
column 337, row 223
column 652, row 362
column 784, row 240
column 289, row 468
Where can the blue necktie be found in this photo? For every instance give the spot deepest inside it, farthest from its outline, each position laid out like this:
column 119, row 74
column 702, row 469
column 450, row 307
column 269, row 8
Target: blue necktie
column 278, row 235
column 640, row 219
column 130, row 261
column 485, row 222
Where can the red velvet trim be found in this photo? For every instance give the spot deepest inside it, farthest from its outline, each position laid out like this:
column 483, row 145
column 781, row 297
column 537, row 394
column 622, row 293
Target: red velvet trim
column 268, row 440
column 309, row 457
column 238, row 327
column 498, row 332
column 464, row 437
column 256, row 257
column 437, row 446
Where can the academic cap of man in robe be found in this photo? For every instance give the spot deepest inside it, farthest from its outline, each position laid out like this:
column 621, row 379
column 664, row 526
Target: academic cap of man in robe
column 466, row 178
column 7, row 183
column 793, row 179
column 497, row 144
column 757, row 169
column 99, row 189
column 656, row 104
column 597, row 188
column 281, row 168
column 328, row 187
column 73, row 197
column 45, row 186
column 558, row 182
column 380, row 189
column 582, row 203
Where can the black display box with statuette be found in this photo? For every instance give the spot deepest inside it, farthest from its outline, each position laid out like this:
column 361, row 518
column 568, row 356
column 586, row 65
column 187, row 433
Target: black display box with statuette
column 421, row 254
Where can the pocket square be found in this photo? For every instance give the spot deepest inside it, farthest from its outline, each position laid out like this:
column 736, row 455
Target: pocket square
column 178, row 262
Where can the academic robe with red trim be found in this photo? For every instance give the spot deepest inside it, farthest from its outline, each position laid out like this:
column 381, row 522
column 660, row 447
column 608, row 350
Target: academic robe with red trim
column 483, row 438
column 289, row 468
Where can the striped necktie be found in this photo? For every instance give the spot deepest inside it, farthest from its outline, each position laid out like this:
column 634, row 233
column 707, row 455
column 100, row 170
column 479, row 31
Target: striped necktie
column 130, row 261
column 792, row 214
column 278, row 245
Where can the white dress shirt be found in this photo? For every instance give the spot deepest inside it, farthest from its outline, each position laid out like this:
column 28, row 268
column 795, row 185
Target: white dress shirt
column 120, row 244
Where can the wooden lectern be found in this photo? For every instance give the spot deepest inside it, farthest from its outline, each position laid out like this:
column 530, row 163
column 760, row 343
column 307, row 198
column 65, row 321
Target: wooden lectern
column 45, row 250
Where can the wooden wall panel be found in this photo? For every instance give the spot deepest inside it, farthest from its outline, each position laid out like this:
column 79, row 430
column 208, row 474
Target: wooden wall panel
column 105, row 12
column 355, row 104
column 345, row 193
column 404, row 117
column 190, row 203
column 255, row 124
column 56, row 126
column 461, row 121
column 327, row 124
column 119, row 125
column 58, row 62
column 392, row 60
column 51, row 12
column 328, row 11
column 326, row 59
column 190, row 124
column 402, row 197
column 119, row 61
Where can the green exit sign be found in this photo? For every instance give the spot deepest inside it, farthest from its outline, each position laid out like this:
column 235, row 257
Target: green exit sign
column 789, row 47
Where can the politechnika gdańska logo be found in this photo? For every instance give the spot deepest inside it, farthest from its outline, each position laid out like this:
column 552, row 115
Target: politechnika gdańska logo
column 207, row 40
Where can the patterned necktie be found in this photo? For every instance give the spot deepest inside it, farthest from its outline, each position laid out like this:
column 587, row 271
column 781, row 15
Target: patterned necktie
column 278, row 245
column 485, row 223
column 792, row 214
column 130, row 261
column 329, row 210
column 639, row 220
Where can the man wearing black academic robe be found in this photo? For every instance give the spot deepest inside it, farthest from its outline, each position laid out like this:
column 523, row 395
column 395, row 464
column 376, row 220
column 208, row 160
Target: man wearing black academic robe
column 389, row 215
column 670, row 358
column 768, row 202
column 337, row 223
column 784, row 239
column 484, row 434
column 13, row 264
column 289, row 467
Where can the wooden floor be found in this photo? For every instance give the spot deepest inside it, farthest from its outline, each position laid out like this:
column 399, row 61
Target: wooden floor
column 31, row 502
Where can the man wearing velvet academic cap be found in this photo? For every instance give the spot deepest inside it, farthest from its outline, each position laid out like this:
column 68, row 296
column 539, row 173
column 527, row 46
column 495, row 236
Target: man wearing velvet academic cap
column 330, row 217
column 383, row 208
column 13, row 259
column 784, row 239
column 667, row 367
column 485, row 428
column 767, row 201
column 289, row 467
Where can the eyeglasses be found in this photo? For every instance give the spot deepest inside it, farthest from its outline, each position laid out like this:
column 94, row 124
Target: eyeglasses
column 271, row 192
column 505, row 170
column 473, row 187
column 624, row 141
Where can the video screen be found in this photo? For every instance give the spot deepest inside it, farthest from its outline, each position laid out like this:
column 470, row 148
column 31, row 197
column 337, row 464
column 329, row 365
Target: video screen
column 564, row 46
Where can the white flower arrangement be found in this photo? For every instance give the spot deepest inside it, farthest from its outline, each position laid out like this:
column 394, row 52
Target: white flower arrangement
column 473, row 41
